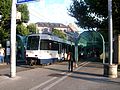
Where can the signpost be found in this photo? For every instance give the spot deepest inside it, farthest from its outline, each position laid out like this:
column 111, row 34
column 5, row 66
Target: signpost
column 13, row 40
column 13, row 36
column 23, row 1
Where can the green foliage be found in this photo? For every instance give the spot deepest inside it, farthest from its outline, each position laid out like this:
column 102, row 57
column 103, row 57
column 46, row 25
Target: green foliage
column 5, row 23
column 23, row 8
column 94, row 14
column 5, row 10
column 22, row 30
column 59, row 33
column 32, row 28
column 87, row 13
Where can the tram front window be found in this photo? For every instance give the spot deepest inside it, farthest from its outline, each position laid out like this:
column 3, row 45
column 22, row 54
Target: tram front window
column 33, row 43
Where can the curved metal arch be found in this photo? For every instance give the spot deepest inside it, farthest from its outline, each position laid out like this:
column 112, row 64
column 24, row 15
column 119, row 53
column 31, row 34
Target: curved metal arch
column 90, row 35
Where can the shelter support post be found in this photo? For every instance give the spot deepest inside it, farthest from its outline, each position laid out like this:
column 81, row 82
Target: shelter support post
column 76, row 55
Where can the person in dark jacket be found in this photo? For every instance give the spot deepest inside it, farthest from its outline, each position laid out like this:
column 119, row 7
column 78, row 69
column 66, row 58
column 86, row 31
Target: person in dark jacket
column 70, row 61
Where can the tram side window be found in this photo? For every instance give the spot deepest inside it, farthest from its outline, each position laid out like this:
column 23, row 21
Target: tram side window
column 44, row 45
column 32, row 43
column 48, row 45
column 54, row 46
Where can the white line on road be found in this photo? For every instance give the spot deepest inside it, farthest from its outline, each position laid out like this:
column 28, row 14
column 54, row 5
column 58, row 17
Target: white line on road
column 38, row 86
column 59, row 80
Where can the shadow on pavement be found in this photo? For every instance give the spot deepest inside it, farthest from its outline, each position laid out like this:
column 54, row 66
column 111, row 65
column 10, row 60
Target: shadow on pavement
column 56, row 69
column 90, row 74
column 98, row 80
column 5, row 75
column 95, row 65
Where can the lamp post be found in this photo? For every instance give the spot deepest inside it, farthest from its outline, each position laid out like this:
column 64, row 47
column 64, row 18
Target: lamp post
column 110, row 69
column 110, row 25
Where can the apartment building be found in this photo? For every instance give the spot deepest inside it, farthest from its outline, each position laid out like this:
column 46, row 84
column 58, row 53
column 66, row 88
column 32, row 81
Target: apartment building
column 47, row 27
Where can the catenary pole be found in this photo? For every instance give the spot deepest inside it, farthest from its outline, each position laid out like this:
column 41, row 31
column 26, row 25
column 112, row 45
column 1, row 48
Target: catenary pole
column 110, row 31
column 13, row 40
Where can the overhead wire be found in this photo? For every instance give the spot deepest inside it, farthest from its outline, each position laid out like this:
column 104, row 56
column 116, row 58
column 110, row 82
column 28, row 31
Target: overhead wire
column 36, row 14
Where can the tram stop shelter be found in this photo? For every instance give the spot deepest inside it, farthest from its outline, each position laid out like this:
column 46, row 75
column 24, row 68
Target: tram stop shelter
column 90, row 44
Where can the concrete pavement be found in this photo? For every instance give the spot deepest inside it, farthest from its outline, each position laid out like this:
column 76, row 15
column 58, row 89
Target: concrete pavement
column 88, row 76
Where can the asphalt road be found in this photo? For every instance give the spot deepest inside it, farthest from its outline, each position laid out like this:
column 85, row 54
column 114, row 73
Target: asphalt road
column 88, row 76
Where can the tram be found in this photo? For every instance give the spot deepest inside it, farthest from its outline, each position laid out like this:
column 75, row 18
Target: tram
column 46, row 49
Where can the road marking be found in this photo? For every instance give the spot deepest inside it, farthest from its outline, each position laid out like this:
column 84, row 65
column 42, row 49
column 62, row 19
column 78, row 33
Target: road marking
column 38, row 86
column 84, row 63
column 59, row 80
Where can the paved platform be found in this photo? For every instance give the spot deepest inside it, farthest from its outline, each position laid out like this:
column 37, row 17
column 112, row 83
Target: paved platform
column 87, row 76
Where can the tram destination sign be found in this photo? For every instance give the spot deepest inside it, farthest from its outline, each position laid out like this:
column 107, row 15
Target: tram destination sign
column 23, row 1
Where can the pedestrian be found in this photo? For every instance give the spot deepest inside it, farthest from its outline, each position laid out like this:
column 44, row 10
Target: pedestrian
column 70, row 61
column 2, row 53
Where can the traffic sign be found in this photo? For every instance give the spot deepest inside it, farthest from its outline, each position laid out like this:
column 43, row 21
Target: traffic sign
column 23, row 1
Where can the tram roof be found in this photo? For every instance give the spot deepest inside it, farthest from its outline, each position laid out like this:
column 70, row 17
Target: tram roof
column 53, row 38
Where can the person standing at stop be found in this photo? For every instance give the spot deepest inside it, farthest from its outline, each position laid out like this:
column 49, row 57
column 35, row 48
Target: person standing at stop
column 70, row 61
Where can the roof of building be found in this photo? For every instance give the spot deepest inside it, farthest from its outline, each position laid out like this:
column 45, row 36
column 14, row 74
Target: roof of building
column 52, row 25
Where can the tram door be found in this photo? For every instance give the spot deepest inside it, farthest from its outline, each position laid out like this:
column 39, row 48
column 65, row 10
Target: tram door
column 60, row 51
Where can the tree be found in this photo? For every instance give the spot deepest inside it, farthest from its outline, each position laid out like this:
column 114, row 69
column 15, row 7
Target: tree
column 58, row 33
column 5, row 22
column 94, row 14
column 22, row 30
column 5, row 10
column 32, row 28
column 23, row 8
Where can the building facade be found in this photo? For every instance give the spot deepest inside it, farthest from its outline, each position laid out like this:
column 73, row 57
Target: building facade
column 46, row 27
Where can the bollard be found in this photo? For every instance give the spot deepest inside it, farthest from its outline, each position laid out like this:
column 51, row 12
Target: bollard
column 110, row 70
column 113, row 71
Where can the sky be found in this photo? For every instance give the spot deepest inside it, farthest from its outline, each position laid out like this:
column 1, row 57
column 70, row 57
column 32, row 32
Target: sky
column 50, row 11
column 53, row 11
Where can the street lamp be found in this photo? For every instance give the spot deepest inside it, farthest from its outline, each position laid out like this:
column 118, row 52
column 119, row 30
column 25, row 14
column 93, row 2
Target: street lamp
column 110, row 25
column 110, row 69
